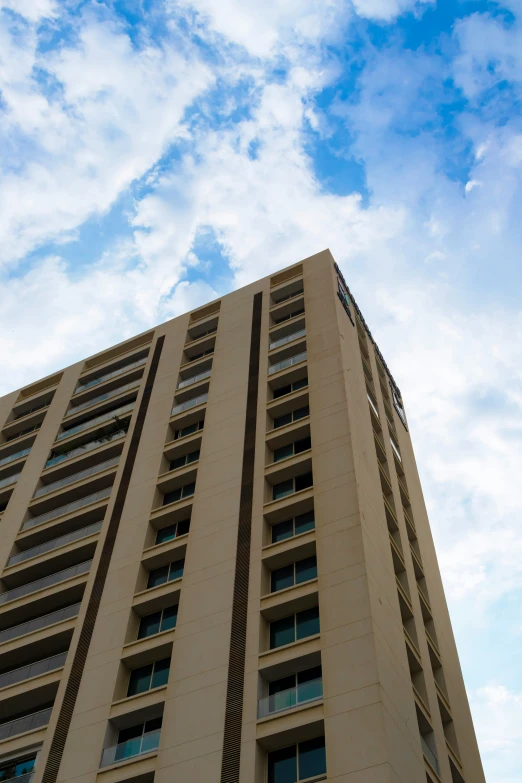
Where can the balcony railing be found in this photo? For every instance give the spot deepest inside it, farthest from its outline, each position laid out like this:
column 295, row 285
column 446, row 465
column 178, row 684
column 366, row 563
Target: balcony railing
column 430, row 755
column 27, row 777
column 300, row 357
column 98, row 420
column 194, row 378
column 32, row 670
column 108, row 375
column 9, row 480
column 133, row 747
column 89, row 446
column 293, row 697
column 38, row 623
column 184, row 406
column 27, row 723
column 46, row 581
column 287, row 339
column 289, row 296
column 106, row 396
column 55, row 543
column 73, row 506
column 16, row 455
column 108, row 463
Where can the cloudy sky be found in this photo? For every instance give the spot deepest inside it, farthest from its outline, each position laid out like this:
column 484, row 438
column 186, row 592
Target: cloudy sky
column 157, row 153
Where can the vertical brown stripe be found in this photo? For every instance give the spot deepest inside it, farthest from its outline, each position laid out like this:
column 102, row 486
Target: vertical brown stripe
column 71, row 689
column 236, row 664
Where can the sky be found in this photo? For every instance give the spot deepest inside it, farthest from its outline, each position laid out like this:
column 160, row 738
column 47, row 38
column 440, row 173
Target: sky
column 156, row 154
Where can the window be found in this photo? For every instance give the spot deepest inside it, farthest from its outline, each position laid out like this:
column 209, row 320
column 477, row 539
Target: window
column 302, row 523
column 293, row 574
column 293, row 314
column 290, row 387
column 153, row 675
column 190, row 429
column 164, row 620
column 292, row 485
column 173, row 531
column 295, row 689
column 186, row 459
column 396, row 450
column 295, row 627
column 138, row 739
column 159, row 576
column 16, row 768
column 288, row 418
column 292, row 449
column 181, row 492
column 201, row 355
column 298, row 762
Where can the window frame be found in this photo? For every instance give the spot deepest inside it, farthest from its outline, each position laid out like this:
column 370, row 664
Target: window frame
column 152, row 666
column 294, row 564
column 168, row 579
column 292, row 520
column 295, row 639
column 297, row 751
column 161, row 613
column 174, row 525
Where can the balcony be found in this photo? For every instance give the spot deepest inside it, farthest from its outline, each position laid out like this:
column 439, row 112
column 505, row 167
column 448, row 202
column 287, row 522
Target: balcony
column 283, row 365
column 46, row 581
column 146, row 743
column 107, row 396
column 102, row 494
column 287, row 339
column 96, row 421
column 430, row 756
column 185, row 406
column 113, row 374
column 15, row 455
column 291, row 698
column 27, row 723
column 194, row 378
column 33, row 670
column 55, row 543
column 38, row 623
column 82, row 474
column 88, row 446
column 8, row 480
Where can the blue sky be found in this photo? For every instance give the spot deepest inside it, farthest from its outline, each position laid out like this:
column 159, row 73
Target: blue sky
column 155, row 154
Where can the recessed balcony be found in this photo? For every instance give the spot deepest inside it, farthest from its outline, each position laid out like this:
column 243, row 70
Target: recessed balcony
column 55, row 543
column 33, row 670
column 83, row 385
column 97, row 421
column 68, row 508
column 46, row 581
column 305, row 691
column 35, row 720
column 37, row 623
column 85, row 448
column 287, row 363
column 193, row 402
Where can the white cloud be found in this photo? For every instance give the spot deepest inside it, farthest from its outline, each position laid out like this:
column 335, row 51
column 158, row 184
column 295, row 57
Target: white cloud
column 33, row 10
column 118, row 110
column 385, row 10
column 497, row 712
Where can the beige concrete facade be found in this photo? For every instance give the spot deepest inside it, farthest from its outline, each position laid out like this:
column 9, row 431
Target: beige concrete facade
column 388, row 698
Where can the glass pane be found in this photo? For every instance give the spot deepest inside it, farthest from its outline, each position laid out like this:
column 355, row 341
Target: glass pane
column 283, row 489
column 282, row 766
column 284, row 684
column 282, row 391
column 283, row 452
column 139, row 680
column 183, row 527
column 282, row 694
column 178, row 462
column 166, row 534
column 302, row 445
column 130, row 733
column 188, row 430
column 304, row 522
column 149, row 625
column 306, row 569
column 282, row 530
column 161, row 673
column 282, row 632
column 309, row 684
column 300, row 384
column 127, row 749
column 153, row 725
column 170, row 618
column 304, row 481
column 307, row 623
column 171, row 497
column 176, row 570
column 158, row 577
column 281, row 578
column 282, row 420
column 188, row 489
column 150, row 741
column 312, row 758
column 300, row 413
column 193, row 456
column 15, row 769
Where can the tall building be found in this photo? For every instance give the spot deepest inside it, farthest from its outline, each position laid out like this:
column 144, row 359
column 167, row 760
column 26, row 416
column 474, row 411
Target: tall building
column 216, row 561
